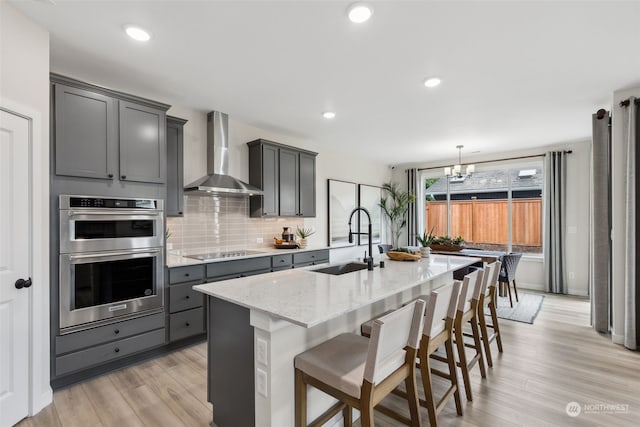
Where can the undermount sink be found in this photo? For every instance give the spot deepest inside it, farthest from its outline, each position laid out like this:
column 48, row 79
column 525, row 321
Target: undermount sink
column 342, row 268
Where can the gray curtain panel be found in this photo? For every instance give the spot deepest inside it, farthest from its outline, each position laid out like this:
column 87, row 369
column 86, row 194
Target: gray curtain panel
column 412, row 213
column 555, row 171
column 600, row 224
column 630, row 141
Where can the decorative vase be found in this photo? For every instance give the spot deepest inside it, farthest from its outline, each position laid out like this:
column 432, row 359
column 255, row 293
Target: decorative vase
column 425, row 251
column 303, row 243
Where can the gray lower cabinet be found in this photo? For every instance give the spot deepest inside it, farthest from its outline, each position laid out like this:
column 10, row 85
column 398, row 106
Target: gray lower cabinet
column 174, row 205
column 103, row 134
column 186, row 313
column 81, row 350
column 287, row 175
column 281, row 262
column 303, row 259
column 238, row 268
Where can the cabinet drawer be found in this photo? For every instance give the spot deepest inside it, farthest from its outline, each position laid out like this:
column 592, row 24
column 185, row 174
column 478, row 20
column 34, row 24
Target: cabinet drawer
column 183, row 297
column 240, row 267
column 190, row 273
column 103, row 334
column 281, row 261
column 106, row 352
column 186, row 324
column 311, row 257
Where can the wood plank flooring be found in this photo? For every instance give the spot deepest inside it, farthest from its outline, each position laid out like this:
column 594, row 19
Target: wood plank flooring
column 559, row 359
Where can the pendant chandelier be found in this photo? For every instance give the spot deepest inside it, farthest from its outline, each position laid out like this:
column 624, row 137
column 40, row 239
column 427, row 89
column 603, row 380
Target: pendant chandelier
column 455, row 171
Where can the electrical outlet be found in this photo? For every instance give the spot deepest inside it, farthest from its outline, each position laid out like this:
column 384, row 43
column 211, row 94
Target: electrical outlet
column 572, row 275
column 259, row 240
column 261, row 351
column 261, row 382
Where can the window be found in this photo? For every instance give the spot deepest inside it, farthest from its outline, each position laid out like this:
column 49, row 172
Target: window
column 494, row 209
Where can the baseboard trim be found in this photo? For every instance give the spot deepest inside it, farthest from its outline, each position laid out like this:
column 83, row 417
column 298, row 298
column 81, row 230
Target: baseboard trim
column 617, row 338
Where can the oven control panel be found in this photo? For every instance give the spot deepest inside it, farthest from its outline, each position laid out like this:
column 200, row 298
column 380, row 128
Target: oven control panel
column 110, row 203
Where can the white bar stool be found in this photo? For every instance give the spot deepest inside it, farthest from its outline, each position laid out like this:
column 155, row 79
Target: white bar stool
column 360, row 372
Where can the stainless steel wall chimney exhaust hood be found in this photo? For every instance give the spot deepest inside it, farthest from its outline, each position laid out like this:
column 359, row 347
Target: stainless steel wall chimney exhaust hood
column 217, row 181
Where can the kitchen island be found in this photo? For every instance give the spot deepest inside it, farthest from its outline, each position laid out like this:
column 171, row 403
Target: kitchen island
column 258, row 324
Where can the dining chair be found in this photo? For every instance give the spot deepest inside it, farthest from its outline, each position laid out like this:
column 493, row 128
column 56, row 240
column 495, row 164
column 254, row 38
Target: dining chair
column 360, row 372
column 384, row 248
column 508, row 273
column 487, row 305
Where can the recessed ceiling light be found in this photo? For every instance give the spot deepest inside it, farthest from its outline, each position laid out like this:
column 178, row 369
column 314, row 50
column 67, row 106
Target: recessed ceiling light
column 137, row 33
column 359, row 12
column 432, row 82
column 328, row 114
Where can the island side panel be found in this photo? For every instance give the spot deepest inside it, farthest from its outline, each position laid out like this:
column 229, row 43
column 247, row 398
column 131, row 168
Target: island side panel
column 285, row 340
column 230, row 385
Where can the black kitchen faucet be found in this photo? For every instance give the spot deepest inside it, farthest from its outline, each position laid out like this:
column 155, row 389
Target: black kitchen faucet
column 369, row 259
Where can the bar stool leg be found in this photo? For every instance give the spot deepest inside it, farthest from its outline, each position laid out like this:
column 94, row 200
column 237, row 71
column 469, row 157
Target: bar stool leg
column 515, row 289
column 485, row 336
column 347, row 414
column 412, row 393
column 509, row 289
column 451, row 361
column 478, row 345
column 366, row 409
column 300, row 400
column 425, row 371
column 462, row 357
column 494, row 322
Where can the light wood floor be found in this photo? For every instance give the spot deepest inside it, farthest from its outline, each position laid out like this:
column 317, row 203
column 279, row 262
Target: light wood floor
column 558, row 360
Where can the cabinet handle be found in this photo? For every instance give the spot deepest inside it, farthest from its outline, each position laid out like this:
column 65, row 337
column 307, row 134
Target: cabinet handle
column 187, row 324
column 117, row 350
column 117, row 331
column 186, row 274
column 187, row 297
column 180, row 213
column 123, row 177
column 110, row 175
column 281, row 260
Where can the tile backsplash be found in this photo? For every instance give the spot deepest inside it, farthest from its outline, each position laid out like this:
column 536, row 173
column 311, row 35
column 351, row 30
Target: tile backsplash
column 222, row 223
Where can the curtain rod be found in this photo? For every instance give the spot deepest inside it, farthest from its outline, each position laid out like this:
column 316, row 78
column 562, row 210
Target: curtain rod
column 497, row 160
column 626, row 102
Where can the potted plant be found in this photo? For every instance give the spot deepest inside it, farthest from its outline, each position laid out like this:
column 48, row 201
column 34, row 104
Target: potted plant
column 446, row 243
column 395, row 205
column 425, row 240
column 303, row 233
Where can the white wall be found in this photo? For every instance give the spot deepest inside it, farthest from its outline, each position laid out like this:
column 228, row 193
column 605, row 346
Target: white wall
column 530, row 272
column 24, row 88
column 619, row 233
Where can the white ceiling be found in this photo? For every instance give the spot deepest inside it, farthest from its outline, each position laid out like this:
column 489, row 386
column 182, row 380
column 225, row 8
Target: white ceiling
column 515, row 74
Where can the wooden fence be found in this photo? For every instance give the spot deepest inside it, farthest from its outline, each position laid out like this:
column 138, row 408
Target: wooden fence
column 486, row 221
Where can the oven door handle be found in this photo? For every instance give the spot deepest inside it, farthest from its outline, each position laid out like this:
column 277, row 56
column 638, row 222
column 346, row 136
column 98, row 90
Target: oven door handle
column 110, row 254
column 150, row 212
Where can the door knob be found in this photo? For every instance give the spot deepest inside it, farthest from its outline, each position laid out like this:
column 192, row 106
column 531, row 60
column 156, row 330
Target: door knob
column 21, row 283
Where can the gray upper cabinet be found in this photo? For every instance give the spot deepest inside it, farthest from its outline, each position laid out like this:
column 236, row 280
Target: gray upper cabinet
column 287, row 177
column 289, row 182
column 263, row 173
column 175, row 175
column 142, row 143
column 307, row 186
column 85, row 133
column 105, row 134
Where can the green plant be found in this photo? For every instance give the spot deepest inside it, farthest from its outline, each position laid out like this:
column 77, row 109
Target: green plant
column 448, row 241
column 395, row 205
column 426, row 239
column 303, row 233
column 167, row 233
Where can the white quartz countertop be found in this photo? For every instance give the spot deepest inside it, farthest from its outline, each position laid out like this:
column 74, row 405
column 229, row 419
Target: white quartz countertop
column 307, row 298
column 180, row 260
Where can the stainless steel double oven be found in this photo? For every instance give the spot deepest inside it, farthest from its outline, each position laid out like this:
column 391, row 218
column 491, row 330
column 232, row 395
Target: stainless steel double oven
column 111, row 259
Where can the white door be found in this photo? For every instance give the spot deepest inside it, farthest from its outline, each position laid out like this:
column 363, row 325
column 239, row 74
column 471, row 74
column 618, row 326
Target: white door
column 14, row 264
